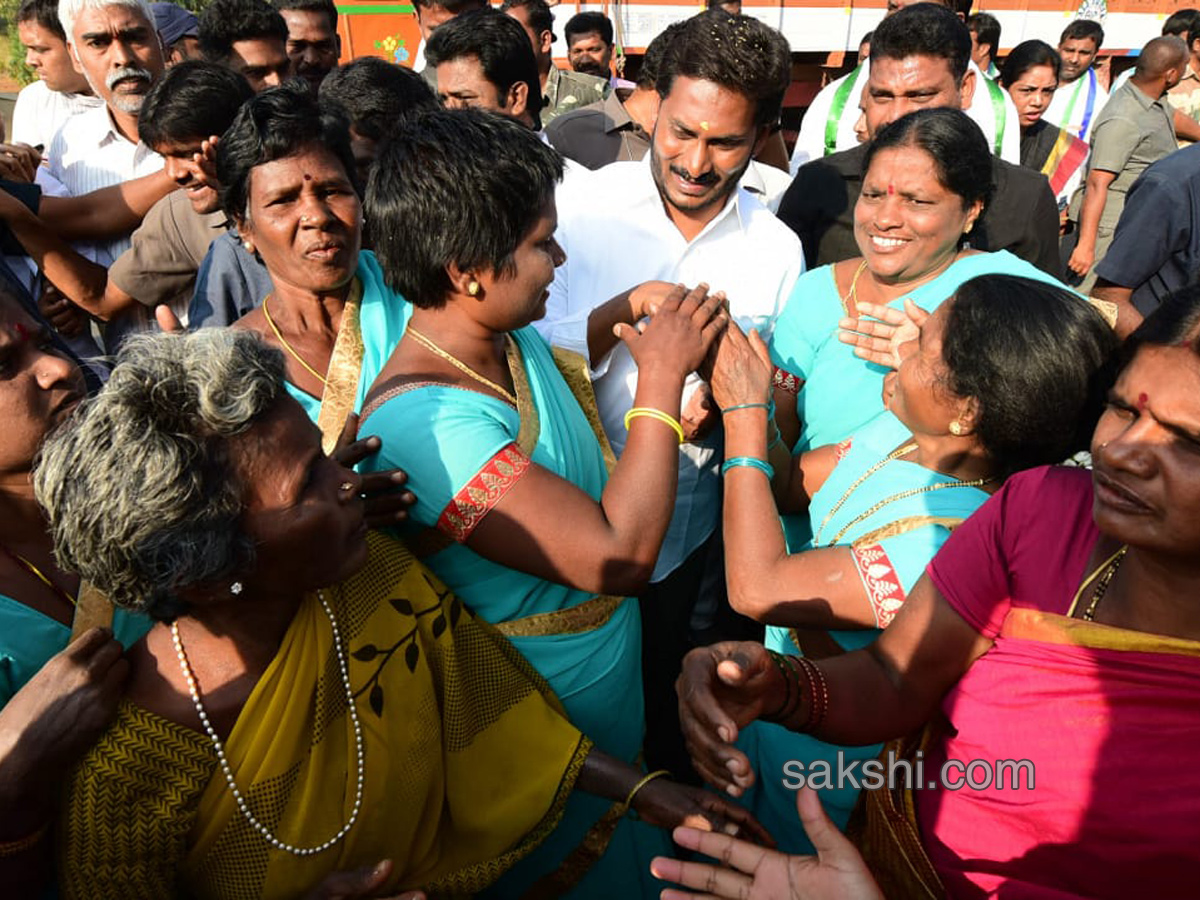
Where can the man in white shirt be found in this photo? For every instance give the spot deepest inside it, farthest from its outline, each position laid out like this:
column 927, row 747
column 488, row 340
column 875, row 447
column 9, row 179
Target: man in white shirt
column 60, row 92
column 829, row 123
column 678, row 216
column 115, row 46
column 1079, row 97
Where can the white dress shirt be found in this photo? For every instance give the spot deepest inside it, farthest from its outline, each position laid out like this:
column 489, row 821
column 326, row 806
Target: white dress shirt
column 810, row 144
column 40, row 112
column 617, row 235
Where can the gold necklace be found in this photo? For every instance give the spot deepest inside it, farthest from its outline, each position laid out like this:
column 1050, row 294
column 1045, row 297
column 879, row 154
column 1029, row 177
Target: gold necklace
column 288, row 347
column 459, row 364
column 852, row 294
column 1110, row 569
column 911, row 492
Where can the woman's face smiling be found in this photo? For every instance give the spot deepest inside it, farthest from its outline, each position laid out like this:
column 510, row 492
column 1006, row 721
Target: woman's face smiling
column 305, row 221
column 1146, row 454
column 906, row 223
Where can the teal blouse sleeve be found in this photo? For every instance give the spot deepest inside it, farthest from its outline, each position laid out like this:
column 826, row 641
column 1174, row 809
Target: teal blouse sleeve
column 448, row 440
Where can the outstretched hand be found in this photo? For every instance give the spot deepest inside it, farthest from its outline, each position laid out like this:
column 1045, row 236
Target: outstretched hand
column 723, row 688
column 749, row 872
column 387, row 503
column 878, row 332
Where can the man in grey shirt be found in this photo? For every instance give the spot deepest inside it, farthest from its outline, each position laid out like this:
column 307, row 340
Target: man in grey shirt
column 1134, row 130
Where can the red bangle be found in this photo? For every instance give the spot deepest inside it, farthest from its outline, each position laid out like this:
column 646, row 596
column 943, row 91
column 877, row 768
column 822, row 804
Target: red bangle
column 818, row 693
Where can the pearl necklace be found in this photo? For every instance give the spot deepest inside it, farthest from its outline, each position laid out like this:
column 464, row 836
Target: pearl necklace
column 242, row 805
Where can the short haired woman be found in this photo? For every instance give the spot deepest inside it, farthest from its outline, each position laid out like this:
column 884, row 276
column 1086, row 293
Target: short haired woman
column 516, row 508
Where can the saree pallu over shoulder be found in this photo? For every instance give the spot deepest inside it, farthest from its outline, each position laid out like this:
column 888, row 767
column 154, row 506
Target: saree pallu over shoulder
column 468, row 760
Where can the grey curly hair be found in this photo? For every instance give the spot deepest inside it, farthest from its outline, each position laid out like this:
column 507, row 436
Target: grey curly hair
column 142, row 497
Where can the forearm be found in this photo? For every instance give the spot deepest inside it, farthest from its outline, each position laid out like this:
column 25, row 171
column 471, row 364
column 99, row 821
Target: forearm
column 28, row 804
column 79, row 279
column 639, row 499
column 107, row 213
column 604, row 318
column 1186, row 127
column 1094, row 199
column 606, row 776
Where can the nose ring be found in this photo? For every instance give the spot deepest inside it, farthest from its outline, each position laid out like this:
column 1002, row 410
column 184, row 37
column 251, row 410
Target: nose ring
column 347, row 486
column 305, row 219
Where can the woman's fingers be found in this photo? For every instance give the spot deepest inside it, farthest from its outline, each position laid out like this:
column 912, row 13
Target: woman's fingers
column 914, row 312
column 166, row 319
column 712, row 880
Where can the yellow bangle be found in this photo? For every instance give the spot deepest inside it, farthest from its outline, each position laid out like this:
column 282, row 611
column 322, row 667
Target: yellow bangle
column 646, row 412
column 12, row 848
column 642, row 782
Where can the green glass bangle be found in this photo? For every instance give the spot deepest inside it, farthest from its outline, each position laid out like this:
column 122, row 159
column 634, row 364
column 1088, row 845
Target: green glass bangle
column 748, row 462
column 736, row 406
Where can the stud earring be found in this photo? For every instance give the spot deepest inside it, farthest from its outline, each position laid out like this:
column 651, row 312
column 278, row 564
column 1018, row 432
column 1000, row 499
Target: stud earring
column 956, row 428
column 235, row 588
column 473, row 288
column 249, row 246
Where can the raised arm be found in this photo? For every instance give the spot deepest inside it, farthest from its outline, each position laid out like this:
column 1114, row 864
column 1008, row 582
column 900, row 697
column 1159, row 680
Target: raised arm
column 884, row 691
column 107, row 213
column 550, row 528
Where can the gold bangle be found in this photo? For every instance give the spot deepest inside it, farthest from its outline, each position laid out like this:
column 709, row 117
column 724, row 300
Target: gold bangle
column 12, row 848
column 642, row 782
column 646, row 412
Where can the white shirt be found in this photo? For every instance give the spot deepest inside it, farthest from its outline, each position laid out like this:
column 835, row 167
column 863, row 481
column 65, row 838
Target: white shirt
column 1084, row 97
column 811, row 142
column 40, row 112
column 88, row 153
column 617, row 235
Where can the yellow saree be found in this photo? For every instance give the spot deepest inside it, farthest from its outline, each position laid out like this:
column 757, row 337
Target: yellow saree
column 468, row 760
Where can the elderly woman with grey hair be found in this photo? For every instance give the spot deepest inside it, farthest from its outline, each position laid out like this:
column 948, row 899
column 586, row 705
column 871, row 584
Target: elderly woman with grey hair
column 310, row 699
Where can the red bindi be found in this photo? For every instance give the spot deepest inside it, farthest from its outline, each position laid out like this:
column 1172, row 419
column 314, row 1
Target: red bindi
column 1143, row 401
column 22, row 332
column 891, row 189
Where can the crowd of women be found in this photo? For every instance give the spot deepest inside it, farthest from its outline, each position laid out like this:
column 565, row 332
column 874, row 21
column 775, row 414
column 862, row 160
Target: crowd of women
column 317, row 683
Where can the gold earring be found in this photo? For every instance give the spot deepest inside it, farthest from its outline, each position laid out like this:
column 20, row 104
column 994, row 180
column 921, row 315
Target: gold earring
column 249, row 246
column 956, row 428
column 473, row 288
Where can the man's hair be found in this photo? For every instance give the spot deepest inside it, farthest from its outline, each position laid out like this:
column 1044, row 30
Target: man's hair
column 225, row 22
column 739, row 53
column 925, row 29
column 987, row 30
column 319, row 6
column 438, row 173
column 656, row 55
column 376, row 96
column 45, row 13
column 1028, row 55
column 586, row 23
column 1083, row 28
column 538, row 13
column 278, row 123
column 499, row 43
column 454, row 6
column 191, row 101
column 1180, row 23
column 69, row 10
